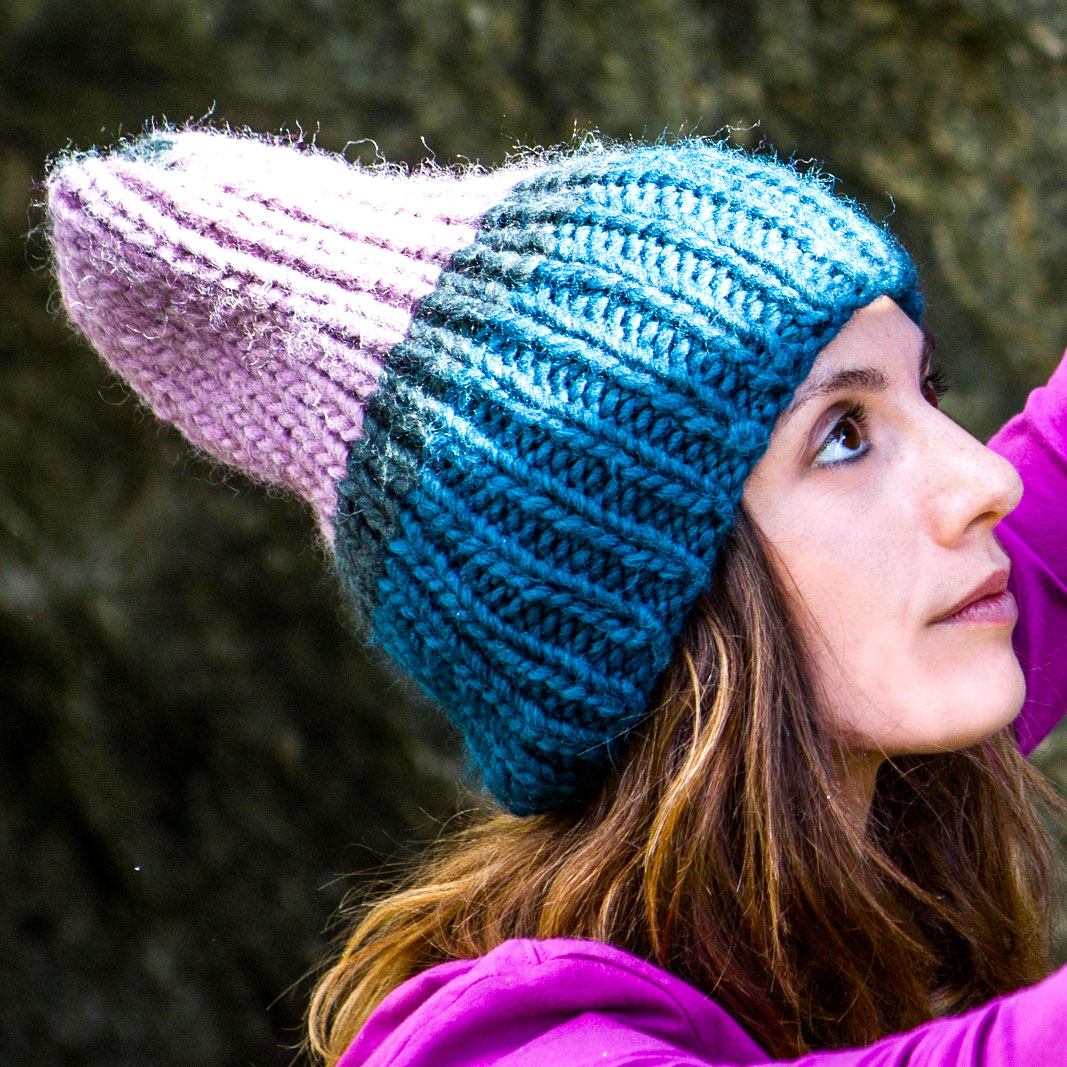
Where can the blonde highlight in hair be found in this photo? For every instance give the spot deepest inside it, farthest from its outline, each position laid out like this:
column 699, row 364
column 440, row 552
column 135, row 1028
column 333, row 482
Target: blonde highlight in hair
column 722, row 851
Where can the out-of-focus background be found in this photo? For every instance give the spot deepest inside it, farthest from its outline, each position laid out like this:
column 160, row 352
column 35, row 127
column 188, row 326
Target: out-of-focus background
column 192, row 750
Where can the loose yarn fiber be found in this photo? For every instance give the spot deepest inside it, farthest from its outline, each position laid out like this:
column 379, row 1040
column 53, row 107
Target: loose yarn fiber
column 522, row 403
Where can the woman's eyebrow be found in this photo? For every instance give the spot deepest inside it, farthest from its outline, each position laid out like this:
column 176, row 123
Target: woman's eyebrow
column 926, row 355
column 869, row 379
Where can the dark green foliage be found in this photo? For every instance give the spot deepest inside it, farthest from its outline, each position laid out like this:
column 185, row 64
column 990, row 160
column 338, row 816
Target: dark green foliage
column 189, row 742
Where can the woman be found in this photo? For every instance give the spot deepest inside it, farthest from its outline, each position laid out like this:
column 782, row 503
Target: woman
column 632, row 459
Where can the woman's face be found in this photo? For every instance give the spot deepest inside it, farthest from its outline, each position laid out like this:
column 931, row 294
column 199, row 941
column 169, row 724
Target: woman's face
column 879, row 514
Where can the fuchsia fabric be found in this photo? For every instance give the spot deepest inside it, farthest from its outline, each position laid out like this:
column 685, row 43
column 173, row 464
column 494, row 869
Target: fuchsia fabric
column 584, row 1004
column 1034, row 537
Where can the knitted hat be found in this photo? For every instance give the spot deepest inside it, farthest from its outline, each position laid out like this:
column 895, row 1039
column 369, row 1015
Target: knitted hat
column 522, row 404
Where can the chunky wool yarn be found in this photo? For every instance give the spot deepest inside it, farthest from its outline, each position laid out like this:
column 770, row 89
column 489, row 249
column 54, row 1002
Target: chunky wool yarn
column 522, row 403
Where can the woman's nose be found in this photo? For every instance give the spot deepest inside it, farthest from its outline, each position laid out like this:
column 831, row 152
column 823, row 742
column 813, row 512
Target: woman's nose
column 974, row 487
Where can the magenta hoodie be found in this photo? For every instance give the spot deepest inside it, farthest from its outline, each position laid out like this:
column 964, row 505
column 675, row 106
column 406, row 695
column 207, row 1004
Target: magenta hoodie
column 570, row 1003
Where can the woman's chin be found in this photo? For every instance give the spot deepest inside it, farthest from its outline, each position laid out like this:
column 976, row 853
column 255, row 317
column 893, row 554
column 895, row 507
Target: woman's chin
column 975, row 707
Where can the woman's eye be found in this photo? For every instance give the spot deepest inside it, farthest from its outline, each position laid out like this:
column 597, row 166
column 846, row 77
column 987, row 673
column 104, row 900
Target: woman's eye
column 848, row 440
column 934, row 387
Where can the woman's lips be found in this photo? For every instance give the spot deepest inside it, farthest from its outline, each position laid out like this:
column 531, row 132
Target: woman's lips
column 997, row 609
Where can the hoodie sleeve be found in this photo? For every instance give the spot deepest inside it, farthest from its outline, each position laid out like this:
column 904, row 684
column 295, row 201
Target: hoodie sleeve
column 1023, row 1029
column 1035, row 442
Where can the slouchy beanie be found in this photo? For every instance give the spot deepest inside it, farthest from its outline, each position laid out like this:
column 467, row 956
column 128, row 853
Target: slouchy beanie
column 522, row 403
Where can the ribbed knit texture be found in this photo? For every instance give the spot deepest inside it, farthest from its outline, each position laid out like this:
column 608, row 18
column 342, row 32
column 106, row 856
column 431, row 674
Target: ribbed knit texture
column 551, row 384
column 250, row 292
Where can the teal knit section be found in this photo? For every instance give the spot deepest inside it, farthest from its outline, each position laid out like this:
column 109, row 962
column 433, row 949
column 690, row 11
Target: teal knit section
column 560, row 443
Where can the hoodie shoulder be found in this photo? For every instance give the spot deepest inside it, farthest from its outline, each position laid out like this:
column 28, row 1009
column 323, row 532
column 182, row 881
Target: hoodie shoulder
column 547, row 1003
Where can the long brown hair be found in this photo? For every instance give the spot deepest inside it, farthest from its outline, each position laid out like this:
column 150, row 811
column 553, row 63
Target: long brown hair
column 722, row 852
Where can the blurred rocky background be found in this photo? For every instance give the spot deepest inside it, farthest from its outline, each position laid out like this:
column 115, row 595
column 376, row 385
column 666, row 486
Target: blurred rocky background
column 192, row 751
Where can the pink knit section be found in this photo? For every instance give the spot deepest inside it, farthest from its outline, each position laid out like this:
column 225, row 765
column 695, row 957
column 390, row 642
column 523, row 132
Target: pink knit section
column 251, row 292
